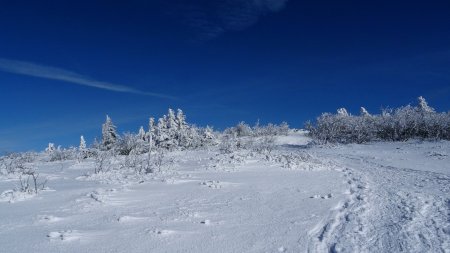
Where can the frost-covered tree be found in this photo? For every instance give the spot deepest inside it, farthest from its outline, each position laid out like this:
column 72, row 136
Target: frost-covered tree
column 342, row 112
column 181, row 120
column 109, row 134
column 423, row 105
column 50, row 148
column 141, row 133
column 82, row 143
column 150, row 135
column 364, row 112
column 171, row 120
column 241, row 129
column 208, row 134
column 162, row 136
column 283, row 129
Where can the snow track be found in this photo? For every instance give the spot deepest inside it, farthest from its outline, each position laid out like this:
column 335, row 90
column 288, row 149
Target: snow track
column 389, row 209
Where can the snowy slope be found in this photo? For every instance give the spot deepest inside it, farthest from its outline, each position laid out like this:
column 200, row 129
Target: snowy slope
column 399, row 200
column 383, row 197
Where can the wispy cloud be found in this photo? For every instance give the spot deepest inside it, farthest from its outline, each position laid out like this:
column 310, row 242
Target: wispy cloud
column 213, row 18
column 54, row 73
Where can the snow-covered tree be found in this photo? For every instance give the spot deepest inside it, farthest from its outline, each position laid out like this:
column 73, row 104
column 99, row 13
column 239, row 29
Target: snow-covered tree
column 109, row 134
column 423, row 105
column 208, row 134
column 283, row 129
column 150, row 135
column 50, row 148
column 171, row 120
column 141, row 133
column 342, row 112
column 181, row 120
column 364, row 112
column 82, row 143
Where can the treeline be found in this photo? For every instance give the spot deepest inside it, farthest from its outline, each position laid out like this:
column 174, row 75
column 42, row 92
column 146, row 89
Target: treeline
column 400, row 124
column 169, row 132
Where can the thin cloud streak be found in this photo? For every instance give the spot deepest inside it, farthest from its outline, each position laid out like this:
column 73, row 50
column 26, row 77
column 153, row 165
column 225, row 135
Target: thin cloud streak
column 54, row 73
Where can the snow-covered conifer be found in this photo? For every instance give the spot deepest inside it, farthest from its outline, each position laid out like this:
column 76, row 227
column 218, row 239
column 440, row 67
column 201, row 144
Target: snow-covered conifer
column 141, row 133
column 181, row 120
column 423, row 105
column 109, row 134
column 171, row 120
column 82, row 143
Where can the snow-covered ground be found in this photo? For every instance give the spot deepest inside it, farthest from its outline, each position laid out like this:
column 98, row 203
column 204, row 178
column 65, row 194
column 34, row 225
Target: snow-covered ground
column 381, row 197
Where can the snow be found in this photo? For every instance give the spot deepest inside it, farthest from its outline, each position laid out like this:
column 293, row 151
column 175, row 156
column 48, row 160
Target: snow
column 378, row 197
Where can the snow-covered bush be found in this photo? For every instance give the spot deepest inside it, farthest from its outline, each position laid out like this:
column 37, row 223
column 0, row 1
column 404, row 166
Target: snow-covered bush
column 12, row 162
column 129, row 142
column 103, row 161
column 243, row 130
column 400, row 124
column 29, row 180
column 138, row 163
column 298, row 160
column 264, row 146
column 228, row 144
column 61, row 154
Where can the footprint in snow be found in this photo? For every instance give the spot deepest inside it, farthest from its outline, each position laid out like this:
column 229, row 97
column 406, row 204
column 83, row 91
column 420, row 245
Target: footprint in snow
column 67, row 235
column 212, row 184
column 162, row 232
column 49, row 218
column 205, row 222
column 317, row 196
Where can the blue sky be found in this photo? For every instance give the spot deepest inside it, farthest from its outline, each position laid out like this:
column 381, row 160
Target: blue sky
column 64, row 65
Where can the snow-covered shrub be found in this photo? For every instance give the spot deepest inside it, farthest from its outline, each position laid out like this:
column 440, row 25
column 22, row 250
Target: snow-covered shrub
column 208, row 138
column 158, row 161
column 228, row 144
column 63, row 154
column 102, row 161
column 138, row 163
column 241, row 129
column 299, row 160
column 265, row 146
column 29, row 180
column 12, row 162
column 398, row 124
column 129, row 142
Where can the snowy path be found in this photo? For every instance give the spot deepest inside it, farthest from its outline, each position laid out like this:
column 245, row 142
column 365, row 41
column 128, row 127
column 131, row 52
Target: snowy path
column 389, row 208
